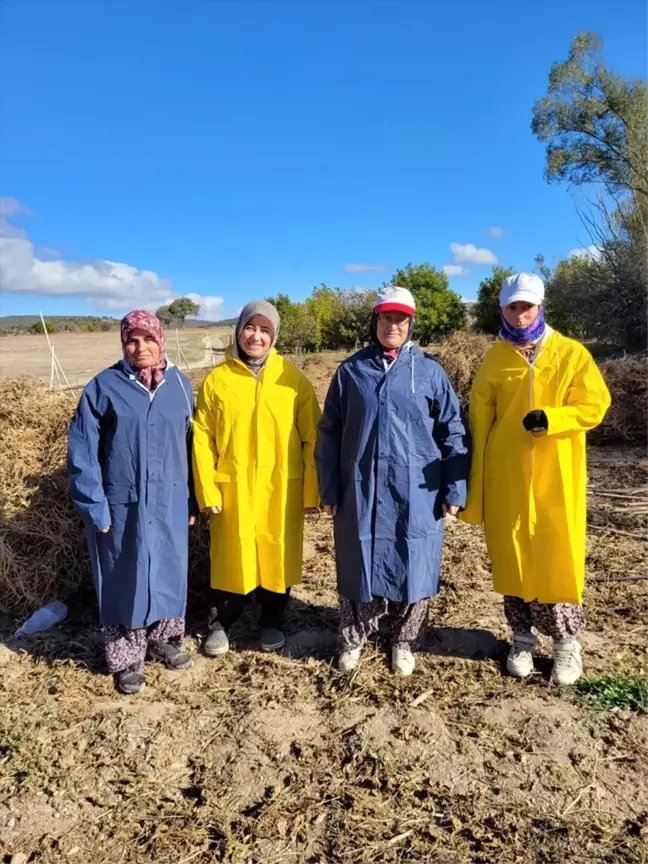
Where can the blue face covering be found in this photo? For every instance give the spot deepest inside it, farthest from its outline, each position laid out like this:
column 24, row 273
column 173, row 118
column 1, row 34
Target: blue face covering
column 523, row 335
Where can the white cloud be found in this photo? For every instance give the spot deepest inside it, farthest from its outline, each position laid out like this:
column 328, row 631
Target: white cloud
column 592, row 252
column 455, row 270
column 210, row 307
column 470, row 254
column 495, row 231
column 104, row 284
column 364, row 268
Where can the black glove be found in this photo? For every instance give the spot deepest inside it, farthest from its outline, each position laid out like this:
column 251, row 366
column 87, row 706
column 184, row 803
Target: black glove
column 536, row 421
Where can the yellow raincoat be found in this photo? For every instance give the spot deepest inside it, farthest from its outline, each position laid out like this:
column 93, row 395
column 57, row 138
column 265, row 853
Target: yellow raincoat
column 253, row 444
column 530, row 490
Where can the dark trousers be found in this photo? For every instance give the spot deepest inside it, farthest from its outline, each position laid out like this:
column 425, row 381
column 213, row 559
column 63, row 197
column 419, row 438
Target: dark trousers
column 227, row 608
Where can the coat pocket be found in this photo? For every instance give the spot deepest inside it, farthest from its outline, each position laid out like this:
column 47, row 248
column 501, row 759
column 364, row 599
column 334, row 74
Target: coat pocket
column 121, row 493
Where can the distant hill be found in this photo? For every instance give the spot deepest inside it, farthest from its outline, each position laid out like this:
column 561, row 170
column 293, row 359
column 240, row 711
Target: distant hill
column 19, row 324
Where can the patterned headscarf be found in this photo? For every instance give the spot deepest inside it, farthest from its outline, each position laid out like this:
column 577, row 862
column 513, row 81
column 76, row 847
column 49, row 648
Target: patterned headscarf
column 524, row 335
column 140, row 319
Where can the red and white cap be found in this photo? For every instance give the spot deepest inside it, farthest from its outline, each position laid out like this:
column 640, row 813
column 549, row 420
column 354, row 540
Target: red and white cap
column 392, row 298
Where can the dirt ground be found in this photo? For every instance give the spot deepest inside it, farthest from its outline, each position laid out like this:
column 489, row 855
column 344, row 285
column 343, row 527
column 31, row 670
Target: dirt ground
column 82, row 355
column 281, row 759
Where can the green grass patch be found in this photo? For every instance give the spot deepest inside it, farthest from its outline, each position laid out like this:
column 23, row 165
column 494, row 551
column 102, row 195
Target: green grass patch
column 608, row 692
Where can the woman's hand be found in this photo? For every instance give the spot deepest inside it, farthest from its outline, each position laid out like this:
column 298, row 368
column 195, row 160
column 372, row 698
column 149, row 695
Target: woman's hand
column 450, row 509
column 331, row 509
column 212, row 511
column 192, row 521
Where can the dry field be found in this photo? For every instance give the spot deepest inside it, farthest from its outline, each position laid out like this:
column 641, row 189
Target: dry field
column 82, row 355
column 281, row 759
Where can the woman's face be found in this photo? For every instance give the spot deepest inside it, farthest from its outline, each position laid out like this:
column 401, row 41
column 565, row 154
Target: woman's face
column 392, row 329
column 521, row 314
column 141, row 349
column 256, row 337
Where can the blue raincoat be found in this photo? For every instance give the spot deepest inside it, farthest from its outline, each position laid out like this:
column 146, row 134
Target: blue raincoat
column 392, row 448
column 129, row 467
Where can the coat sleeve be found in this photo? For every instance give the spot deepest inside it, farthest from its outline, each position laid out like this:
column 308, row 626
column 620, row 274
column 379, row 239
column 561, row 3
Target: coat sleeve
column 453, row 441
column 84, row 468
column 588, row 398
column 481, row 416
column 205, row 451
column 308, row 415
column 329, row 441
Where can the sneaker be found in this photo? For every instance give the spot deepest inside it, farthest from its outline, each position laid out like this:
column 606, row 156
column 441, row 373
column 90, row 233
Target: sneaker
column 568, row 663
column 131, row 680
column 349, row 660
column 272, row 639
column 216, row 643
column 520, row 657
column 171, row 654
column 403, row 661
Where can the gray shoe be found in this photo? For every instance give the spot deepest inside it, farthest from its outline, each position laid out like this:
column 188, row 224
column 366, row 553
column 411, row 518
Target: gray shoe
column 170, row 654
column 131, row 680
column 216, row 643
column 272, row 639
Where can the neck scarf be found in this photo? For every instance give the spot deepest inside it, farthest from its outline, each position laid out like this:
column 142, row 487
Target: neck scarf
column 524, row 335
column 139, row 319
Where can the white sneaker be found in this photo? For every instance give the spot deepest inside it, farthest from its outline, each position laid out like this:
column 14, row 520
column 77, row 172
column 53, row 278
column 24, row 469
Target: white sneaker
column 349, row 660
column 520, row 658
column 568, row 663
column 403, row 661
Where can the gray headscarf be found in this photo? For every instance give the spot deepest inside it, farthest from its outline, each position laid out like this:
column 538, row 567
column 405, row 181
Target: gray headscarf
column 256, row 307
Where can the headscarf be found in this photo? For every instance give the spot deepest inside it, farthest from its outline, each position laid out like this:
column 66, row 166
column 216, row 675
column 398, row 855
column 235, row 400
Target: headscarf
column 140, row 319
column 257, row 307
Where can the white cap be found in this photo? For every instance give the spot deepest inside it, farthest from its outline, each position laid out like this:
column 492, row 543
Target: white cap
column 526, row 287
column 393, row 298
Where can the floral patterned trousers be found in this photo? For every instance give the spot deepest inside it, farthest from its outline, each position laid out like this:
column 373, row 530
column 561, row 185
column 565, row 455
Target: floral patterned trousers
column 558, row 620
column 125, row 647
column 401, row 623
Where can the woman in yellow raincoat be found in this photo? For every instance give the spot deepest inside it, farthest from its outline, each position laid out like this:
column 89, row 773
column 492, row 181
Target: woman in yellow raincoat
column 255, row 428
column 535, row 396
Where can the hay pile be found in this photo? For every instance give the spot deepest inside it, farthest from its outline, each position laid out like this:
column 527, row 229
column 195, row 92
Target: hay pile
column 627, row 419
column 42, row 554
column 42, row 544
column 461, row 356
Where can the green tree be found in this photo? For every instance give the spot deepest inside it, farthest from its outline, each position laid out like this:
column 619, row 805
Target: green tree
column 571, row 297
column 165, row 316
column 595, row 124
column 297, row 331
column 181, row 308
column 439, row 311
column 487, row 314
column 37, row 328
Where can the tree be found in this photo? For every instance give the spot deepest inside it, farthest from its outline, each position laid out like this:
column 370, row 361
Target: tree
column 595, row 124
column 487, row 311
column 571, row 293
column 181, row 308
column 37, row 328
column 439, row 311
column 165, row 316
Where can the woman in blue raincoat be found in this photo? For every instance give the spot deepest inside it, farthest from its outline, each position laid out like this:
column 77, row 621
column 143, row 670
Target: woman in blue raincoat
column 129, row 468
column 392, row 461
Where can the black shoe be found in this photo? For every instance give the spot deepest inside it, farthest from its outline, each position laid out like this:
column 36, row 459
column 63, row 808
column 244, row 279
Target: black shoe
column 131, row 680
column 170, row 654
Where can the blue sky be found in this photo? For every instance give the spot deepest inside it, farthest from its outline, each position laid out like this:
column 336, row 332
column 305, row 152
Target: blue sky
column 237, row 149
